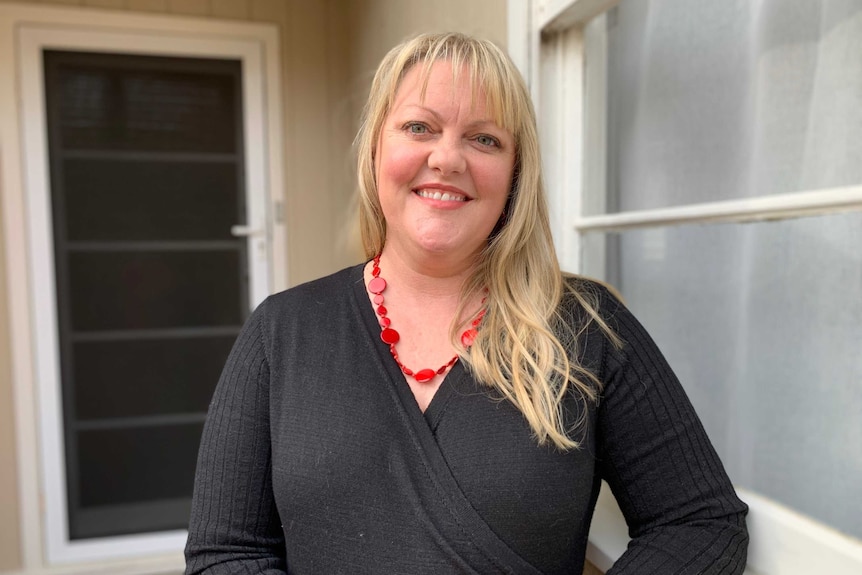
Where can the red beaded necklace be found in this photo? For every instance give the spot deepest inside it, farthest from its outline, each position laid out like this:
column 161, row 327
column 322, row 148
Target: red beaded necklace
column 390, row 337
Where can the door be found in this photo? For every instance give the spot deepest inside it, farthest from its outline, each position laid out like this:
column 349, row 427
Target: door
column 146, row 181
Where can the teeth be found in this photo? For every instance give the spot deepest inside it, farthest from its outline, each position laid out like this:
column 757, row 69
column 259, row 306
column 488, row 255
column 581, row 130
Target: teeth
column 445, row 196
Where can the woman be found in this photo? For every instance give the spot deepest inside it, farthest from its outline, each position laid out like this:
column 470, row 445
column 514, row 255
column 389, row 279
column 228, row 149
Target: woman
column 451, row 405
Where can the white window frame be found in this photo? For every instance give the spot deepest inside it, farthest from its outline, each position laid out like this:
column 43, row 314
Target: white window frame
column 24, row 32
column 547, row 42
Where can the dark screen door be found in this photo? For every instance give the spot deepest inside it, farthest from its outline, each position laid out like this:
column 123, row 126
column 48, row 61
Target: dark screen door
column 147, row 172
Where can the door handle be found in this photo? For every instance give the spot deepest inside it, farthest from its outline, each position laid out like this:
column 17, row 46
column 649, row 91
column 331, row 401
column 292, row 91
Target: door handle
column 243, row 231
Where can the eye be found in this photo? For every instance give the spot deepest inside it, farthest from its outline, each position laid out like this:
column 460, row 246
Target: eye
column 416, row 128
column 487, row 140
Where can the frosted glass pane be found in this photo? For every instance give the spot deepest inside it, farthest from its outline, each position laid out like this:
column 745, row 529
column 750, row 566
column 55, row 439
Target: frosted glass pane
column 711, row 101
column 763, row 325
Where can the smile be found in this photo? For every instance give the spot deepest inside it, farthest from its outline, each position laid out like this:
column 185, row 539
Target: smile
column 443, row 196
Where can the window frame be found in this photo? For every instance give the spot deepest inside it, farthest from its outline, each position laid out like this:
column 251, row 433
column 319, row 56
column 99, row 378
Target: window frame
column 26, row 31
column 548, row 43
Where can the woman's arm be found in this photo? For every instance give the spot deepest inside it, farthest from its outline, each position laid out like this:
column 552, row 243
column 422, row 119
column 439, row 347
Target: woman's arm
column 234, row 525
column 682, row 511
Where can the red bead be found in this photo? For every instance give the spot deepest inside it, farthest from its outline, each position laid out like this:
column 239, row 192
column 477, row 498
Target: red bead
column 468, row 337
column 425, row 375
column 377, row 285
column 390, row 336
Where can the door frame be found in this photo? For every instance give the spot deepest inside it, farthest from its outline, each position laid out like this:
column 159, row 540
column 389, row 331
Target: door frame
column 25, row 32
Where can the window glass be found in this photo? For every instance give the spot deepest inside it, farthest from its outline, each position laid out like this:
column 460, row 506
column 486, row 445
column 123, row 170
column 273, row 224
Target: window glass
column 763, row 325
column 710, row 101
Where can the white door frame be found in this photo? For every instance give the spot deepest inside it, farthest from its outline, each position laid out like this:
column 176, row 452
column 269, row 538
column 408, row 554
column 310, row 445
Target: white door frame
column 25, row 31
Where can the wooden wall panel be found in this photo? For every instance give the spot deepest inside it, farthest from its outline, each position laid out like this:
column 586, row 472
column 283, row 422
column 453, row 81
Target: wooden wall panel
column 189, row 7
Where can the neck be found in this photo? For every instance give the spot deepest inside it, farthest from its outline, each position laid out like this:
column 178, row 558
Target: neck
column 377, row 285
column 429, row 275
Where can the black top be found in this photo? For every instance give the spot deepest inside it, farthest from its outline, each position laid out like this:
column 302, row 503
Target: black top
column 316, row 459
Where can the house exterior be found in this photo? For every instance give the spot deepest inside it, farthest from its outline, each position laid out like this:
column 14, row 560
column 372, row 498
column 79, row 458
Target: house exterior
column 704, row 157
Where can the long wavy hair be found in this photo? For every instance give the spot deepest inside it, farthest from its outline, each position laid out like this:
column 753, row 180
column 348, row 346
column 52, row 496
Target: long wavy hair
column 521, row 349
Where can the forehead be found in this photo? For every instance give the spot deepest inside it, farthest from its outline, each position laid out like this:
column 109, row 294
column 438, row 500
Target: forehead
column 439, row 81
column 446, row 80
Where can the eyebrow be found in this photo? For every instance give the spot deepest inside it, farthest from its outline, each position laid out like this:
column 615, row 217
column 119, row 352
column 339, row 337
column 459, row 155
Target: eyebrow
column 474, row 124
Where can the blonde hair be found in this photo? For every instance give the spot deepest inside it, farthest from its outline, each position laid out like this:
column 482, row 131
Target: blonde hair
column 521, row 348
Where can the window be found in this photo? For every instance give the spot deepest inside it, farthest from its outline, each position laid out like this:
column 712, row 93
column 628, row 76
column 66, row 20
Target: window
column 706, row 158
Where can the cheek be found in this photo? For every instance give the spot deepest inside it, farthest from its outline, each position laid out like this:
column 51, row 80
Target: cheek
column 397, row 166
column 496, row 181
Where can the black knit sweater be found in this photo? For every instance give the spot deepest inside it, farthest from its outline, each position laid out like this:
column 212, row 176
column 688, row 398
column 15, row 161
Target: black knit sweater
column 316, row 459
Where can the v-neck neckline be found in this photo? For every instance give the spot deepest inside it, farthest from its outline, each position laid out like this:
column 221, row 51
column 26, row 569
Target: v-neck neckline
column 421, row 431
column 436, row 407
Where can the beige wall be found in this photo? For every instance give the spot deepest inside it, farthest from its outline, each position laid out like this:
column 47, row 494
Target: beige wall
column 330, row 49
column 377, row 25
column 9, row 537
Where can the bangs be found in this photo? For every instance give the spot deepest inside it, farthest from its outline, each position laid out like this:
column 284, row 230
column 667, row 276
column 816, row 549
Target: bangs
column 486, row 73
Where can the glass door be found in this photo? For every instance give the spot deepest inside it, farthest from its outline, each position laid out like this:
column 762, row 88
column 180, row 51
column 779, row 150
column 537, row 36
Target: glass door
column 147, row 180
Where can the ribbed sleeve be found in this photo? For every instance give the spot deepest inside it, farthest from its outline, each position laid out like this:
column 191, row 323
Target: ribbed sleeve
column 234, row 526
column 682, row 512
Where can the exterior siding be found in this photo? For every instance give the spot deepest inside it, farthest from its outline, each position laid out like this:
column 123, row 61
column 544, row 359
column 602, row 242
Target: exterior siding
column 10, row 541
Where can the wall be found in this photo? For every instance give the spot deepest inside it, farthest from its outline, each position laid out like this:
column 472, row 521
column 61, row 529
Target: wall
column 10, row 542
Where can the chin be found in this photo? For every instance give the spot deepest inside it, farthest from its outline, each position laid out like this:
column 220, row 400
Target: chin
column 442, row 247
column 448, row 242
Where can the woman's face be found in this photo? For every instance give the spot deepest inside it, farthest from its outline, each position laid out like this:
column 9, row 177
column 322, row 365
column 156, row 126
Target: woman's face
column 444, row 168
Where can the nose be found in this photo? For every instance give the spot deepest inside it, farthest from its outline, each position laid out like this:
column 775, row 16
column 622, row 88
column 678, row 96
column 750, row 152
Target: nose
column 447, row 156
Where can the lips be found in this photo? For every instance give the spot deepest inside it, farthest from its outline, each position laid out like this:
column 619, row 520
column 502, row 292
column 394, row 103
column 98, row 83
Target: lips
column 441, row 193
column 437, row 195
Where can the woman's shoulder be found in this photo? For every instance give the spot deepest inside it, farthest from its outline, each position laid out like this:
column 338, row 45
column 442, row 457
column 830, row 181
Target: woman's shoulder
column 327, row 292
column 584, row 294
